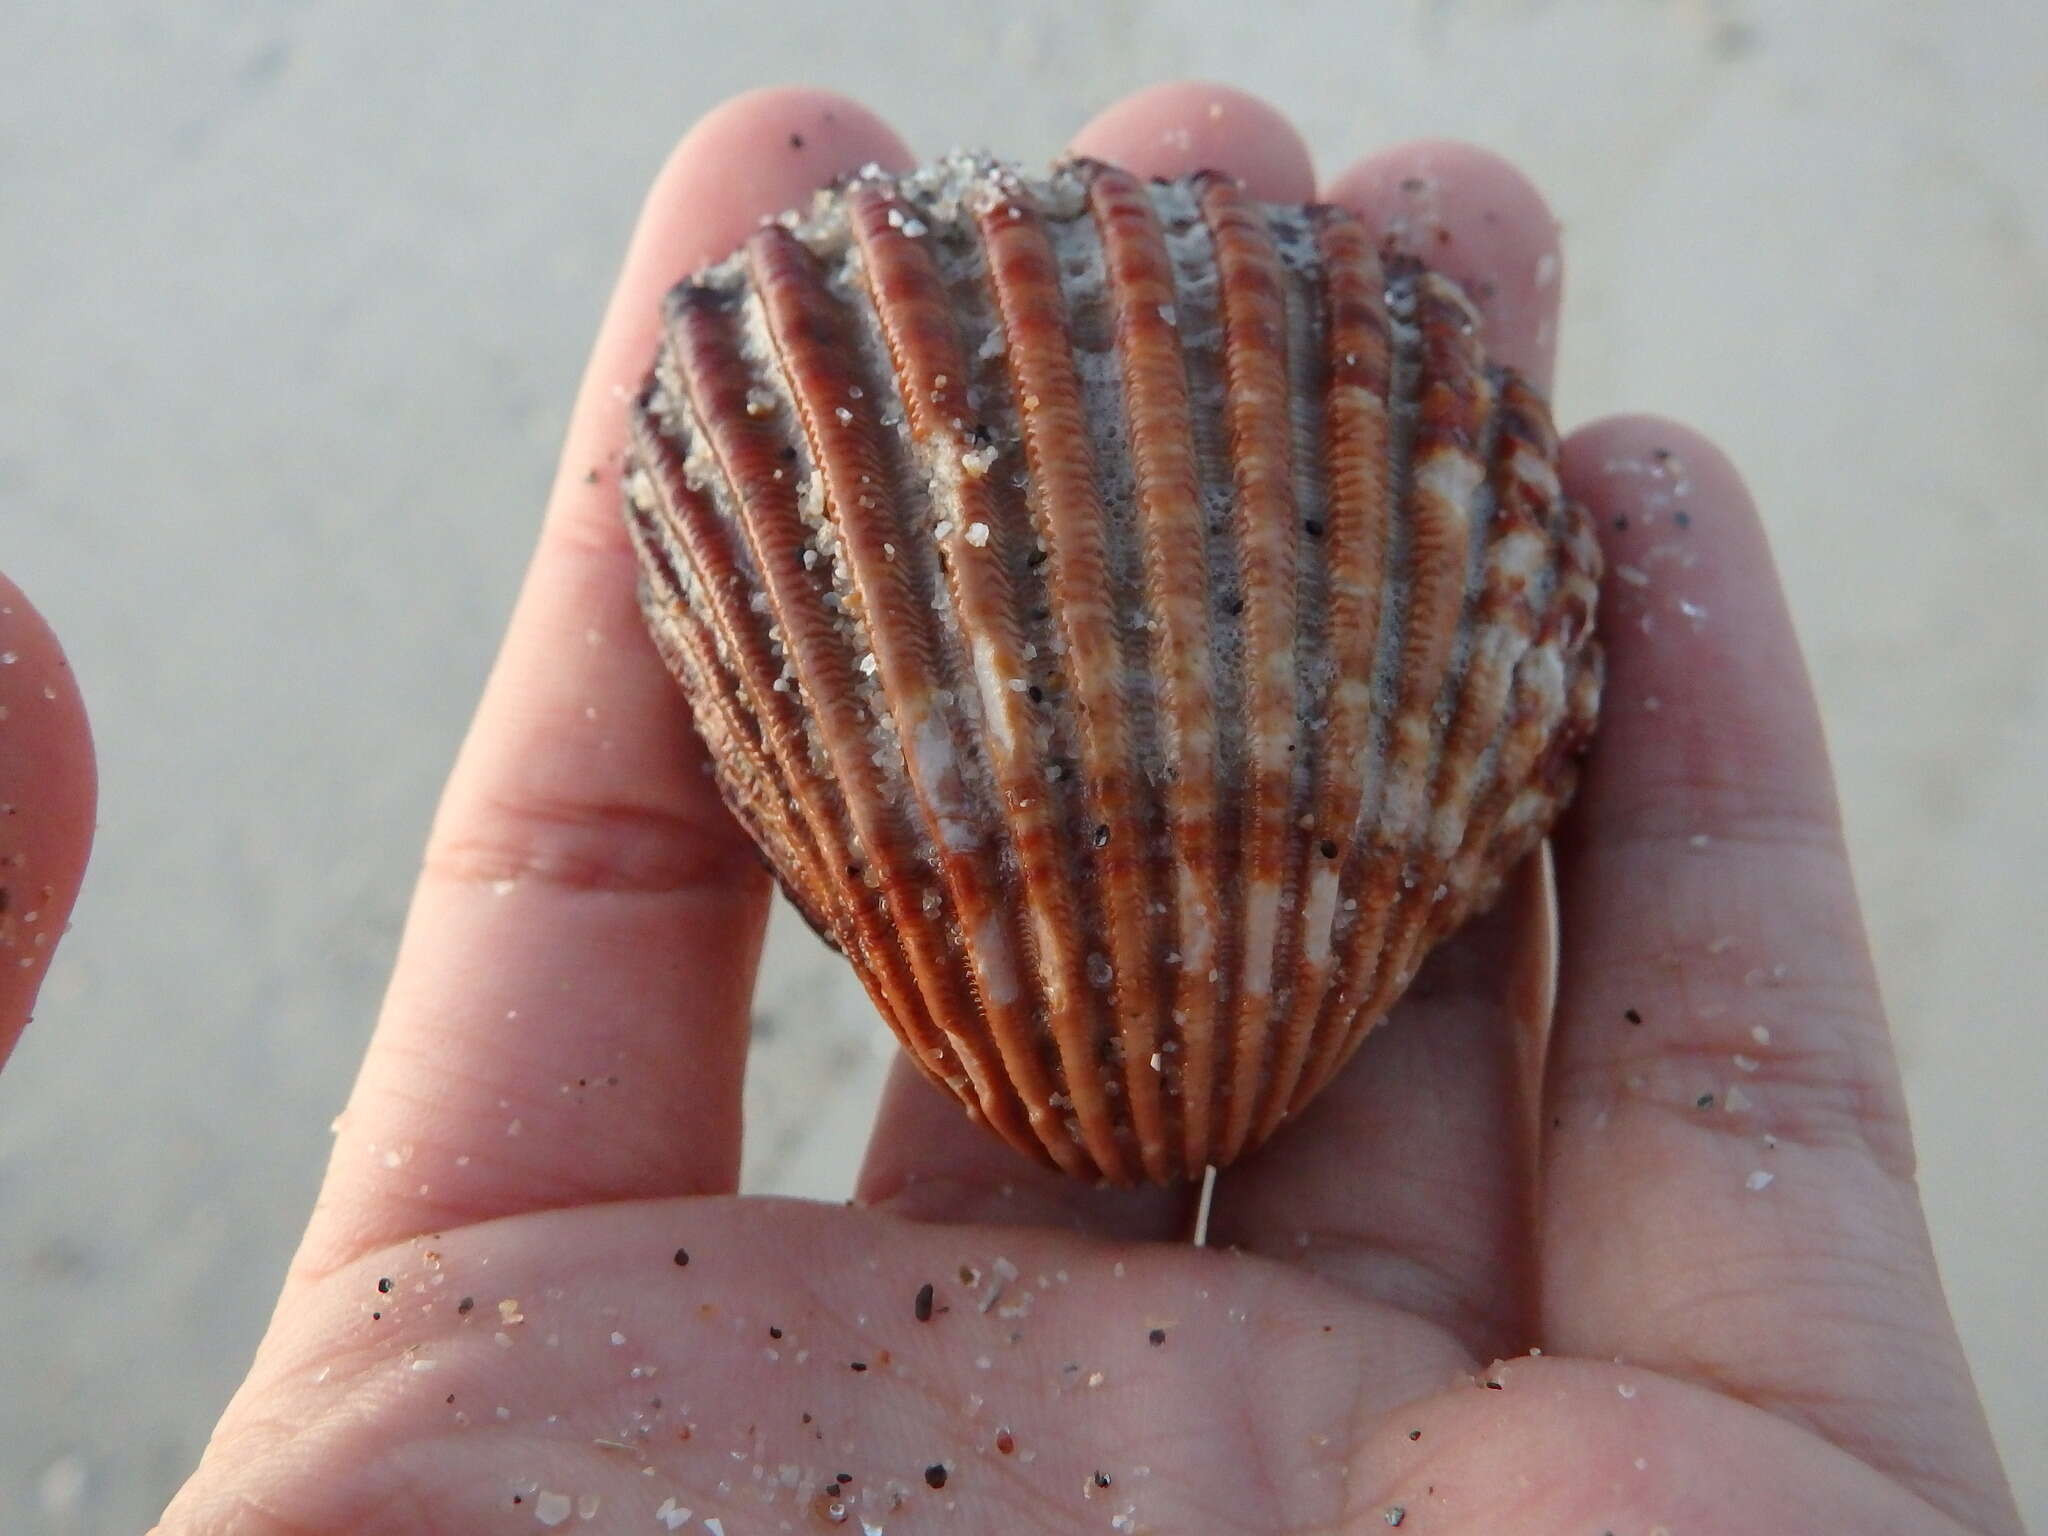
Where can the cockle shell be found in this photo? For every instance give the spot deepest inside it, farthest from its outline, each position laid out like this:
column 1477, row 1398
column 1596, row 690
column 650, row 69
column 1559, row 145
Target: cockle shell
column 1136, row 623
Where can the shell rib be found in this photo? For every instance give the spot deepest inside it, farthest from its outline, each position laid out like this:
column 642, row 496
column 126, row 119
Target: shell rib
column 1136, row 623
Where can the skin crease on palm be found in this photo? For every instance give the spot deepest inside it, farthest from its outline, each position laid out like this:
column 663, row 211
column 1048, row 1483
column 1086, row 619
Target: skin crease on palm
column 491, row 1326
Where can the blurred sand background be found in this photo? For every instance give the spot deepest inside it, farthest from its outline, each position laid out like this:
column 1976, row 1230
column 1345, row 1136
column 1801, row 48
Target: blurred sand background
column 295, row 297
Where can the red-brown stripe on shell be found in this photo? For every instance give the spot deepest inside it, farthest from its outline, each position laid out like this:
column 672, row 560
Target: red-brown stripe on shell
column 1136, row 623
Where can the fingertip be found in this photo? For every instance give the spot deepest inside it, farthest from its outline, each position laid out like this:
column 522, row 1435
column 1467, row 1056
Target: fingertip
column 1183, row 126
column 1706, row 683
column 48, row 792
column 751, row 157
column 1477, row 218
column 757, row 154
column 1671, row 510
column 1617, row 451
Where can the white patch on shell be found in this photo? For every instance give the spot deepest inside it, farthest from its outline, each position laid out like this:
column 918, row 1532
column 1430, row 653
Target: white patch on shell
column 1198, row 941
column 1320, row 917
column 989, row 679
column 1050, row 941
column 936, row 770
column 1453, row 476
column 997, row 963
column 1261, row 927
column 1523, row 553
column 1532, row 469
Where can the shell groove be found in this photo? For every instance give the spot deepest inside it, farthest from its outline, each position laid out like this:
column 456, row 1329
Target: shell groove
column 1136, row 623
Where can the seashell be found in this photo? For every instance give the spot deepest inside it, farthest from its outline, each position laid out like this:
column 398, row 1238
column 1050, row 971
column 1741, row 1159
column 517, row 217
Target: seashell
column 1136, row 623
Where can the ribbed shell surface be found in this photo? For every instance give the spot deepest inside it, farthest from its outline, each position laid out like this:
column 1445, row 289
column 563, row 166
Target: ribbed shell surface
column 1135, row 622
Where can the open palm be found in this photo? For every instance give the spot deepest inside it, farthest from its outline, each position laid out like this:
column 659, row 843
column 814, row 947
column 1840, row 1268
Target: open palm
column 528, row 1297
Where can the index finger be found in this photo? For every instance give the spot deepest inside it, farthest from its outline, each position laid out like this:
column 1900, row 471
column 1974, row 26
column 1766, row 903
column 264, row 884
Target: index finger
column 567, row 1021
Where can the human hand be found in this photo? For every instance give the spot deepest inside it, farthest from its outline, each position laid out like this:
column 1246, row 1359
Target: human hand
column 528, row 1296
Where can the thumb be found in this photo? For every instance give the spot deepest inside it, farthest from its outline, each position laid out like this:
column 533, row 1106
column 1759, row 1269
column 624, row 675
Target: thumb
column 47, row 792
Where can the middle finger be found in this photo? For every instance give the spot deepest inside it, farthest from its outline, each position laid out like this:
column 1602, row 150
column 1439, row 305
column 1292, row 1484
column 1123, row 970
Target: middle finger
column 567, row 1017
column 924, row 1159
